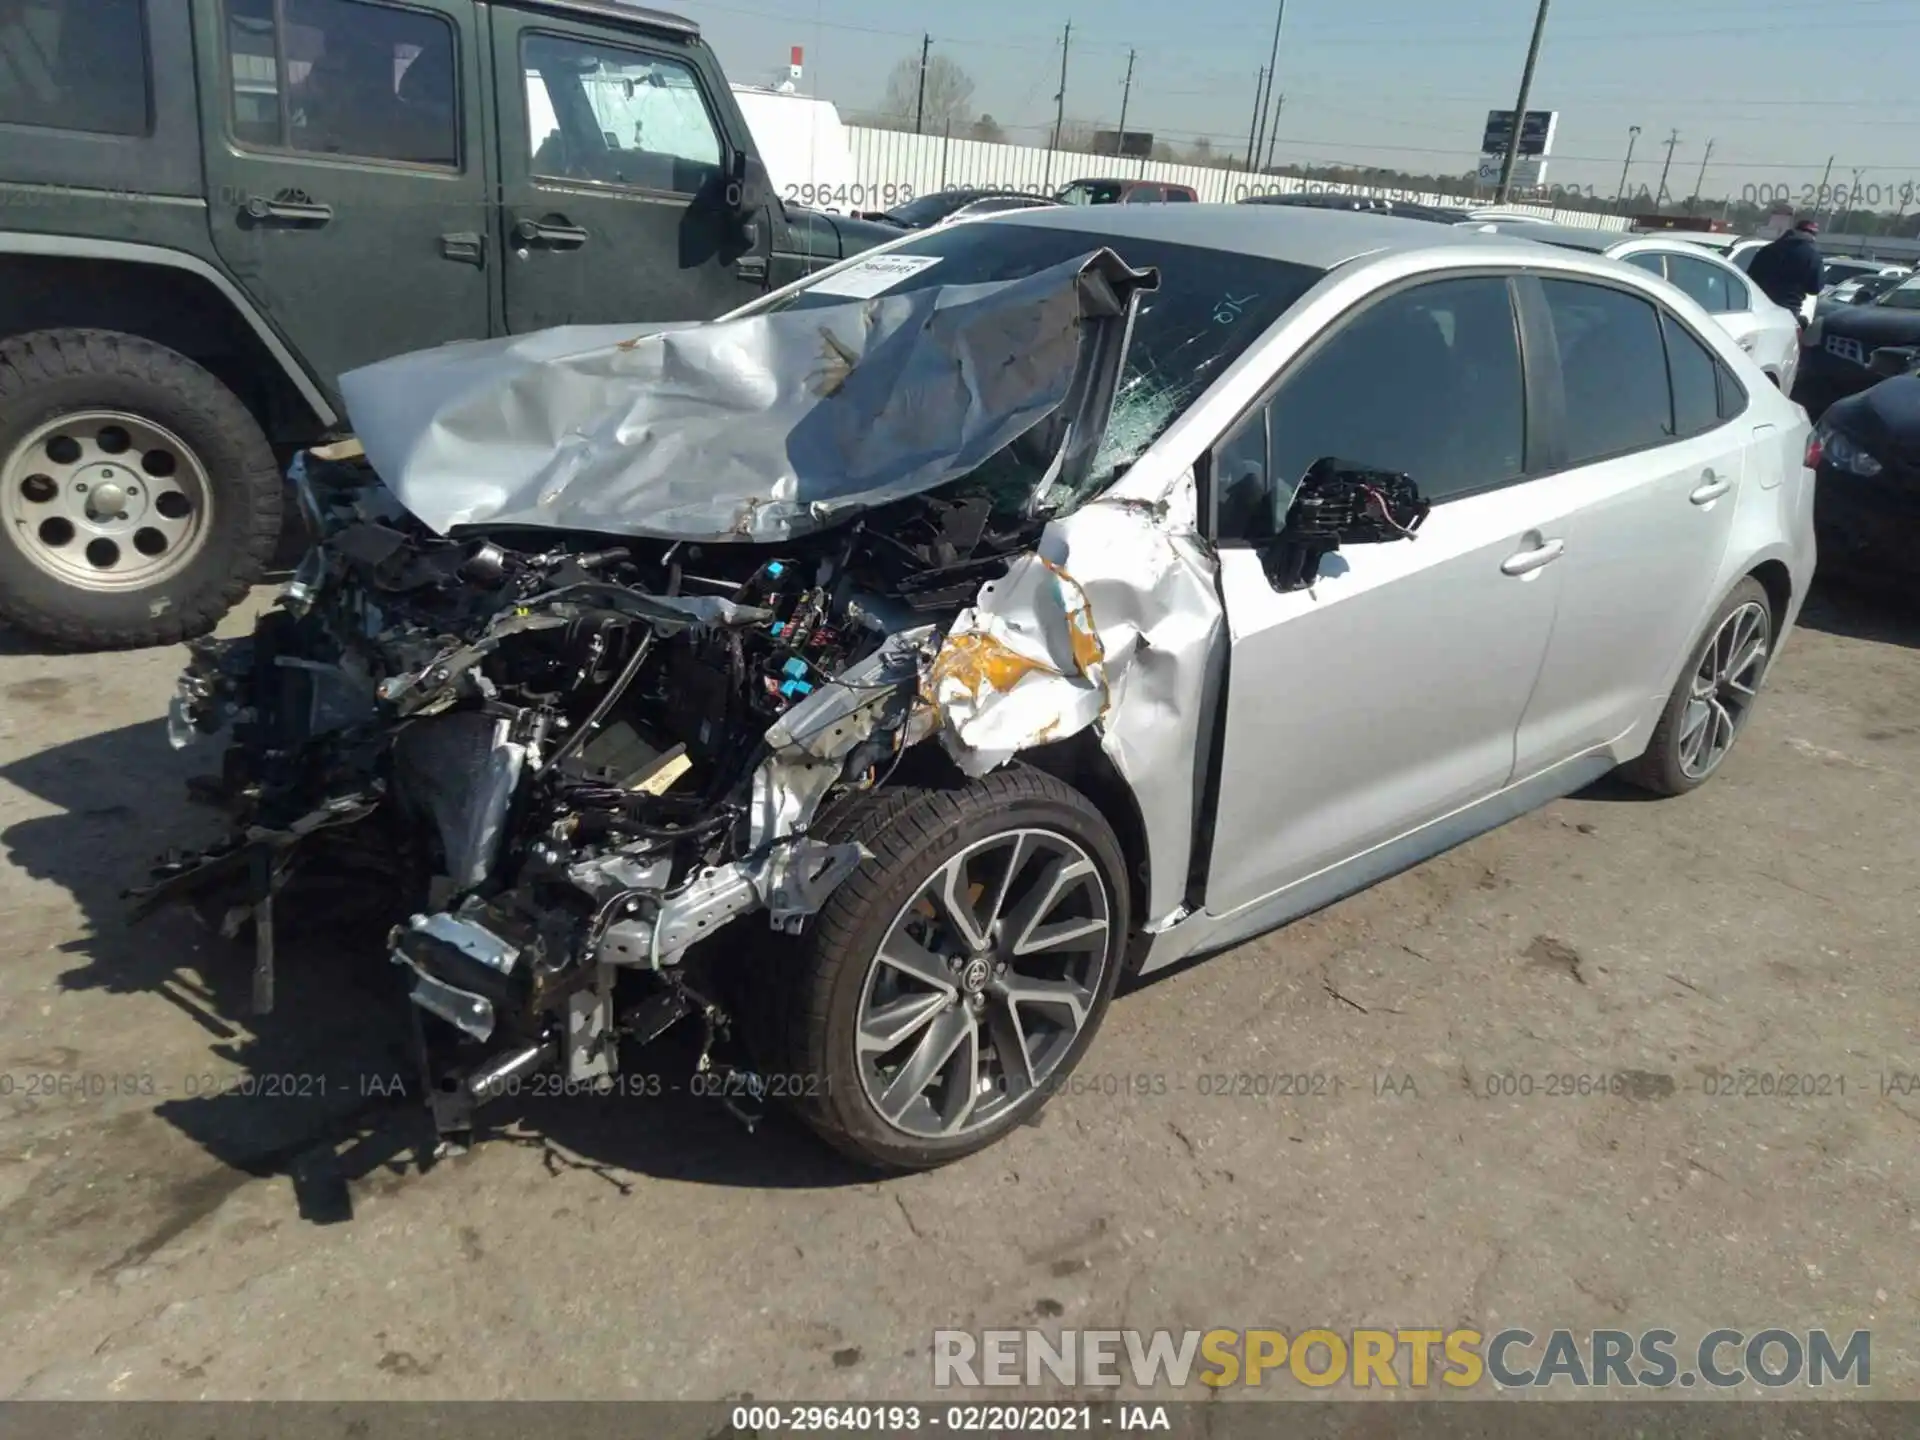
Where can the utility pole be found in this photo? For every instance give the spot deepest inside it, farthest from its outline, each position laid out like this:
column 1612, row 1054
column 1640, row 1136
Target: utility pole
column 920, row 103
column 1700, row 179
column 1520, row 106
column 1273, row 130
column 1059, row 104
column 1126, row 92
column 1260, row 102
column 1253, row 124
column 1660, row 196
column 1833, row 205
column 1633, row 134
column 1825, row 175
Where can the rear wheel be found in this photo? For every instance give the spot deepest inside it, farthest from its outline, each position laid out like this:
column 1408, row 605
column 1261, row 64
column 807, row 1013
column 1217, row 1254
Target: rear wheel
column 138, row 497
column 956, row 977
column 1709, row 709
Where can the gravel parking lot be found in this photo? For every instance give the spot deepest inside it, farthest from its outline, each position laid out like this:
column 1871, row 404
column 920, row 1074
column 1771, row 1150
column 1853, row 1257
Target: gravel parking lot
column 170, row 1235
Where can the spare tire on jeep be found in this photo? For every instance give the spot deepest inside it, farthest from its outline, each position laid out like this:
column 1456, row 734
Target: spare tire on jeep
column 139, row 497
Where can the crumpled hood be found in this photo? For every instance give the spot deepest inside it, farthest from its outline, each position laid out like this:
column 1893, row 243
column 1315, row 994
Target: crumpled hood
column 759, row 428
column 1875, row 325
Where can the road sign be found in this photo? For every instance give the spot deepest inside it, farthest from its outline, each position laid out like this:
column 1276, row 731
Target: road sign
column 1527, row 173
column 1536, row 132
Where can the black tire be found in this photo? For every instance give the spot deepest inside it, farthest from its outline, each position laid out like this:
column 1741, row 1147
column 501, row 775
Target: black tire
column 803, row 1014
column 1659, row 768
column 53, row 372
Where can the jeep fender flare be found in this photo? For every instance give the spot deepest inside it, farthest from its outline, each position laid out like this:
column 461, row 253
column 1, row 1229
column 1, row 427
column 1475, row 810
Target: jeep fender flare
column 14, row 242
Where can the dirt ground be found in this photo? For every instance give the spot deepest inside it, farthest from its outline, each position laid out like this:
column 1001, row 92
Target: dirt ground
column 167, row 1235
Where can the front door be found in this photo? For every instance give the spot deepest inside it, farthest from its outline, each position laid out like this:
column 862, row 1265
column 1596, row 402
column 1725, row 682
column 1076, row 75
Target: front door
column 346, row 171
column 613, row 173
column 1388, row 694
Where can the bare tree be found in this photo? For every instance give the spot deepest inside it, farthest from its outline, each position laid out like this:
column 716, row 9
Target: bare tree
column 944, row 102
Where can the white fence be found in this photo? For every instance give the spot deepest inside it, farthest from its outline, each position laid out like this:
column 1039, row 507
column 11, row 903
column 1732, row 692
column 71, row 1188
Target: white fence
column 890, row 166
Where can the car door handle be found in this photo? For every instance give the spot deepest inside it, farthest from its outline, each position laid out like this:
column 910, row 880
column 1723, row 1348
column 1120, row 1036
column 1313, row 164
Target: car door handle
column 467, row 246
column 554, row 234
column 289, row 212
column 1710, row 488
column 1527, row 561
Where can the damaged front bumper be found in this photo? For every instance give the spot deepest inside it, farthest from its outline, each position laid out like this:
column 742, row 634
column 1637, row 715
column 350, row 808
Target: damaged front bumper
column 562, row 761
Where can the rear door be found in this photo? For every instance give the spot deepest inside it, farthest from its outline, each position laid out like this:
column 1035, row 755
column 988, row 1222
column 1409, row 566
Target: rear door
column 1388, row 693
column 613, row 177
column 346, row 170
column 1656, row 449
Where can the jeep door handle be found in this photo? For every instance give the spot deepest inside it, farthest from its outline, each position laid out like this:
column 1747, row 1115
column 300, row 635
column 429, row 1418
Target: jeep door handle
column 291, row 212
column 466, row 246
column 1527, row 561
column 550, row 234
column 1710, row 488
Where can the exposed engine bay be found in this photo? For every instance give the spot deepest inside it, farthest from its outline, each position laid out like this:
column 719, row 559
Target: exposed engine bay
column 573, row 755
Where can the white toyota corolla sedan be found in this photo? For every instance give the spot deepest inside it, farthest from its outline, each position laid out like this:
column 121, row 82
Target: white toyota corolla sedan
column 1016, row 606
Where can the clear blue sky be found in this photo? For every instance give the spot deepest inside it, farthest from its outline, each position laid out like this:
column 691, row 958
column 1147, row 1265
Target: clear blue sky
column 1777, row 85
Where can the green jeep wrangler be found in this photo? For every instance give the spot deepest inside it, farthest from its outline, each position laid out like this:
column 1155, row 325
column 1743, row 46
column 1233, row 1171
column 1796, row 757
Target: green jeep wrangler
column 209, row 209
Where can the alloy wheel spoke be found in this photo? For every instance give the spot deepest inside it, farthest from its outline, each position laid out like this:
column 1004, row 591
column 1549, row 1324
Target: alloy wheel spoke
column 1068, row 995
column 893, row 1023
column 909, row 957
column 954, row 897
column 1054, row 884
column 929, row 1058
column 1009, row 1037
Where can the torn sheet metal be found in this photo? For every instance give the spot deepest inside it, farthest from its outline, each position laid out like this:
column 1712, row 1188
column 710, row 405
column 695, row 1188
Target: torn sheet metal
column 1116, row 623
column 757, row 428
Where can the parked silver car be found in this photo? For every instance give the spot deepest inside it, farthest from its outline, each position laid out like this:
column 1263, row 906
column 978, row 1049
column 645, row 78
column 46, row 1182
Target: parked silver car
column 1025, row 604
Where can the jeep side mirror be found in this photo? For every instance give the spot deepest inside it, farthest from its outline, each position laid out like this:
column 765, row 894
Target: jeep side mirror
column 1340, row 503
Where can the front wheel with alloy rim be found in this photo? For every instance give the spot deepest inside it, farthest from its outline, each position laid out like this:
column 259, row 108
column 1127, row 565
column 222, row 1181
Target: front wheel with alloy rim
column 138, row 497
column 1711, row 705
column 957, row 977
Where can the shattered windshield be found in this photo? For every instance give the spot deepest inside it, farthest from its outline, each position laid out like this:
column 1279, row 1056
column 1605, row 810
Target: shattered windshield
column 1210, row 305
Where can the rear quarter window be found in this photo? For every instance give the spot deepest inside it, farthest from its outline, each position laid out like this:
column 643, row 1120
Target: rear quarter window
column 75, row 65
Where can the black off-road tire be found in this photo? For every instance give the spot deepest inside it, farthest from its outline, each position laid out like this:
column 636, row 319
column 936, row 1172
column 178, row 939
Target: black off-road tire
column 1658, row 768
column 804, row 1004
column 51, row 372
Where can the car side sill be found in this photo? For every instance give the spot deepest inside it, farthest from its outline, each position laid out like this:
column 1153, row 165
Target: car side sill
column 1205, row 932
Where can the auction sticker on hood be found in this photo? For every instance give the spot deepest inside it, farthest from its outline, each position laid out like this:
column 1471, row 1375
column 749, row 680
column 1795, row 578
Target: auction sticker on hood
column 873, row 275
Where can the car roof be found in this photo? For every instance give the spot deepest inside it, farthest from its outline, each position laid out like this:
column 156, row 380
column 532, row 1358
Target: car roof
column 1572, row 237
column 1300, row 234
column 620, row 11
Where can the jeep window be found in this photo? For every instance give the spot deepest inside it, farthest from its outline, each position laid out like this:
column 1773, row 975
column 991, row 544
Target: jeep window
column 618, row 117
column 1211, row 305
column 344, row 77
column 74, row 65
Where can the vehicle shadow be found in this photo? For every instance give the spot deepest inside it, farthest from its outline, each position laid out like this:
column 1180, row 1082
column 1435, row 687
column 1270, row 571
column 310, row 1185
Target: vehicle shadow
column 1860, row 613
column 321, row 1089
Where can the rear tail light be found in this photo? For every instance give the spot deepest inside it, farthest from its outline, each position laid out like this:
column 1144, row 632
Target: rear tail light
column 1815, row 451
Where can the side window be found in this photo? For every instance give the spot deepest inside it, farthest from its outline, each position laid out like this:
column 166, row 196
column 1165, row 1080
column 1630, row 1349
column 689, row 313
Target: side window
column 1647, row 260
column 1706, row 282
column 619, row 117
column 1426, row 382
column 1696, row 383
column 1733, row 395
column 75, row 65
column 1179, row 193
column 362, row 80
column 1146, row 194
column 1614, row 367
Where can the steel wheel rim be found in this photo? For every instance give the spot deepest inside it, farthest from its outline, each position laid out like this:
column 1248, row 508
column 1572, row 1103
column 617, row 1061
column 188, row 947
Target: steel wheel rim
column 1724, row 686
column 105, row 500
column 986, row 978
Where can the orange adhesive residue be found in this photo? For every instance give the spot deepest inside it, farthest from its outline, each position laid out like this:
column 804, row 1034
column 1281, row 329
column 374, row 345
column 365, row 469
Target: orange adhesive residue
column 980, row 664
